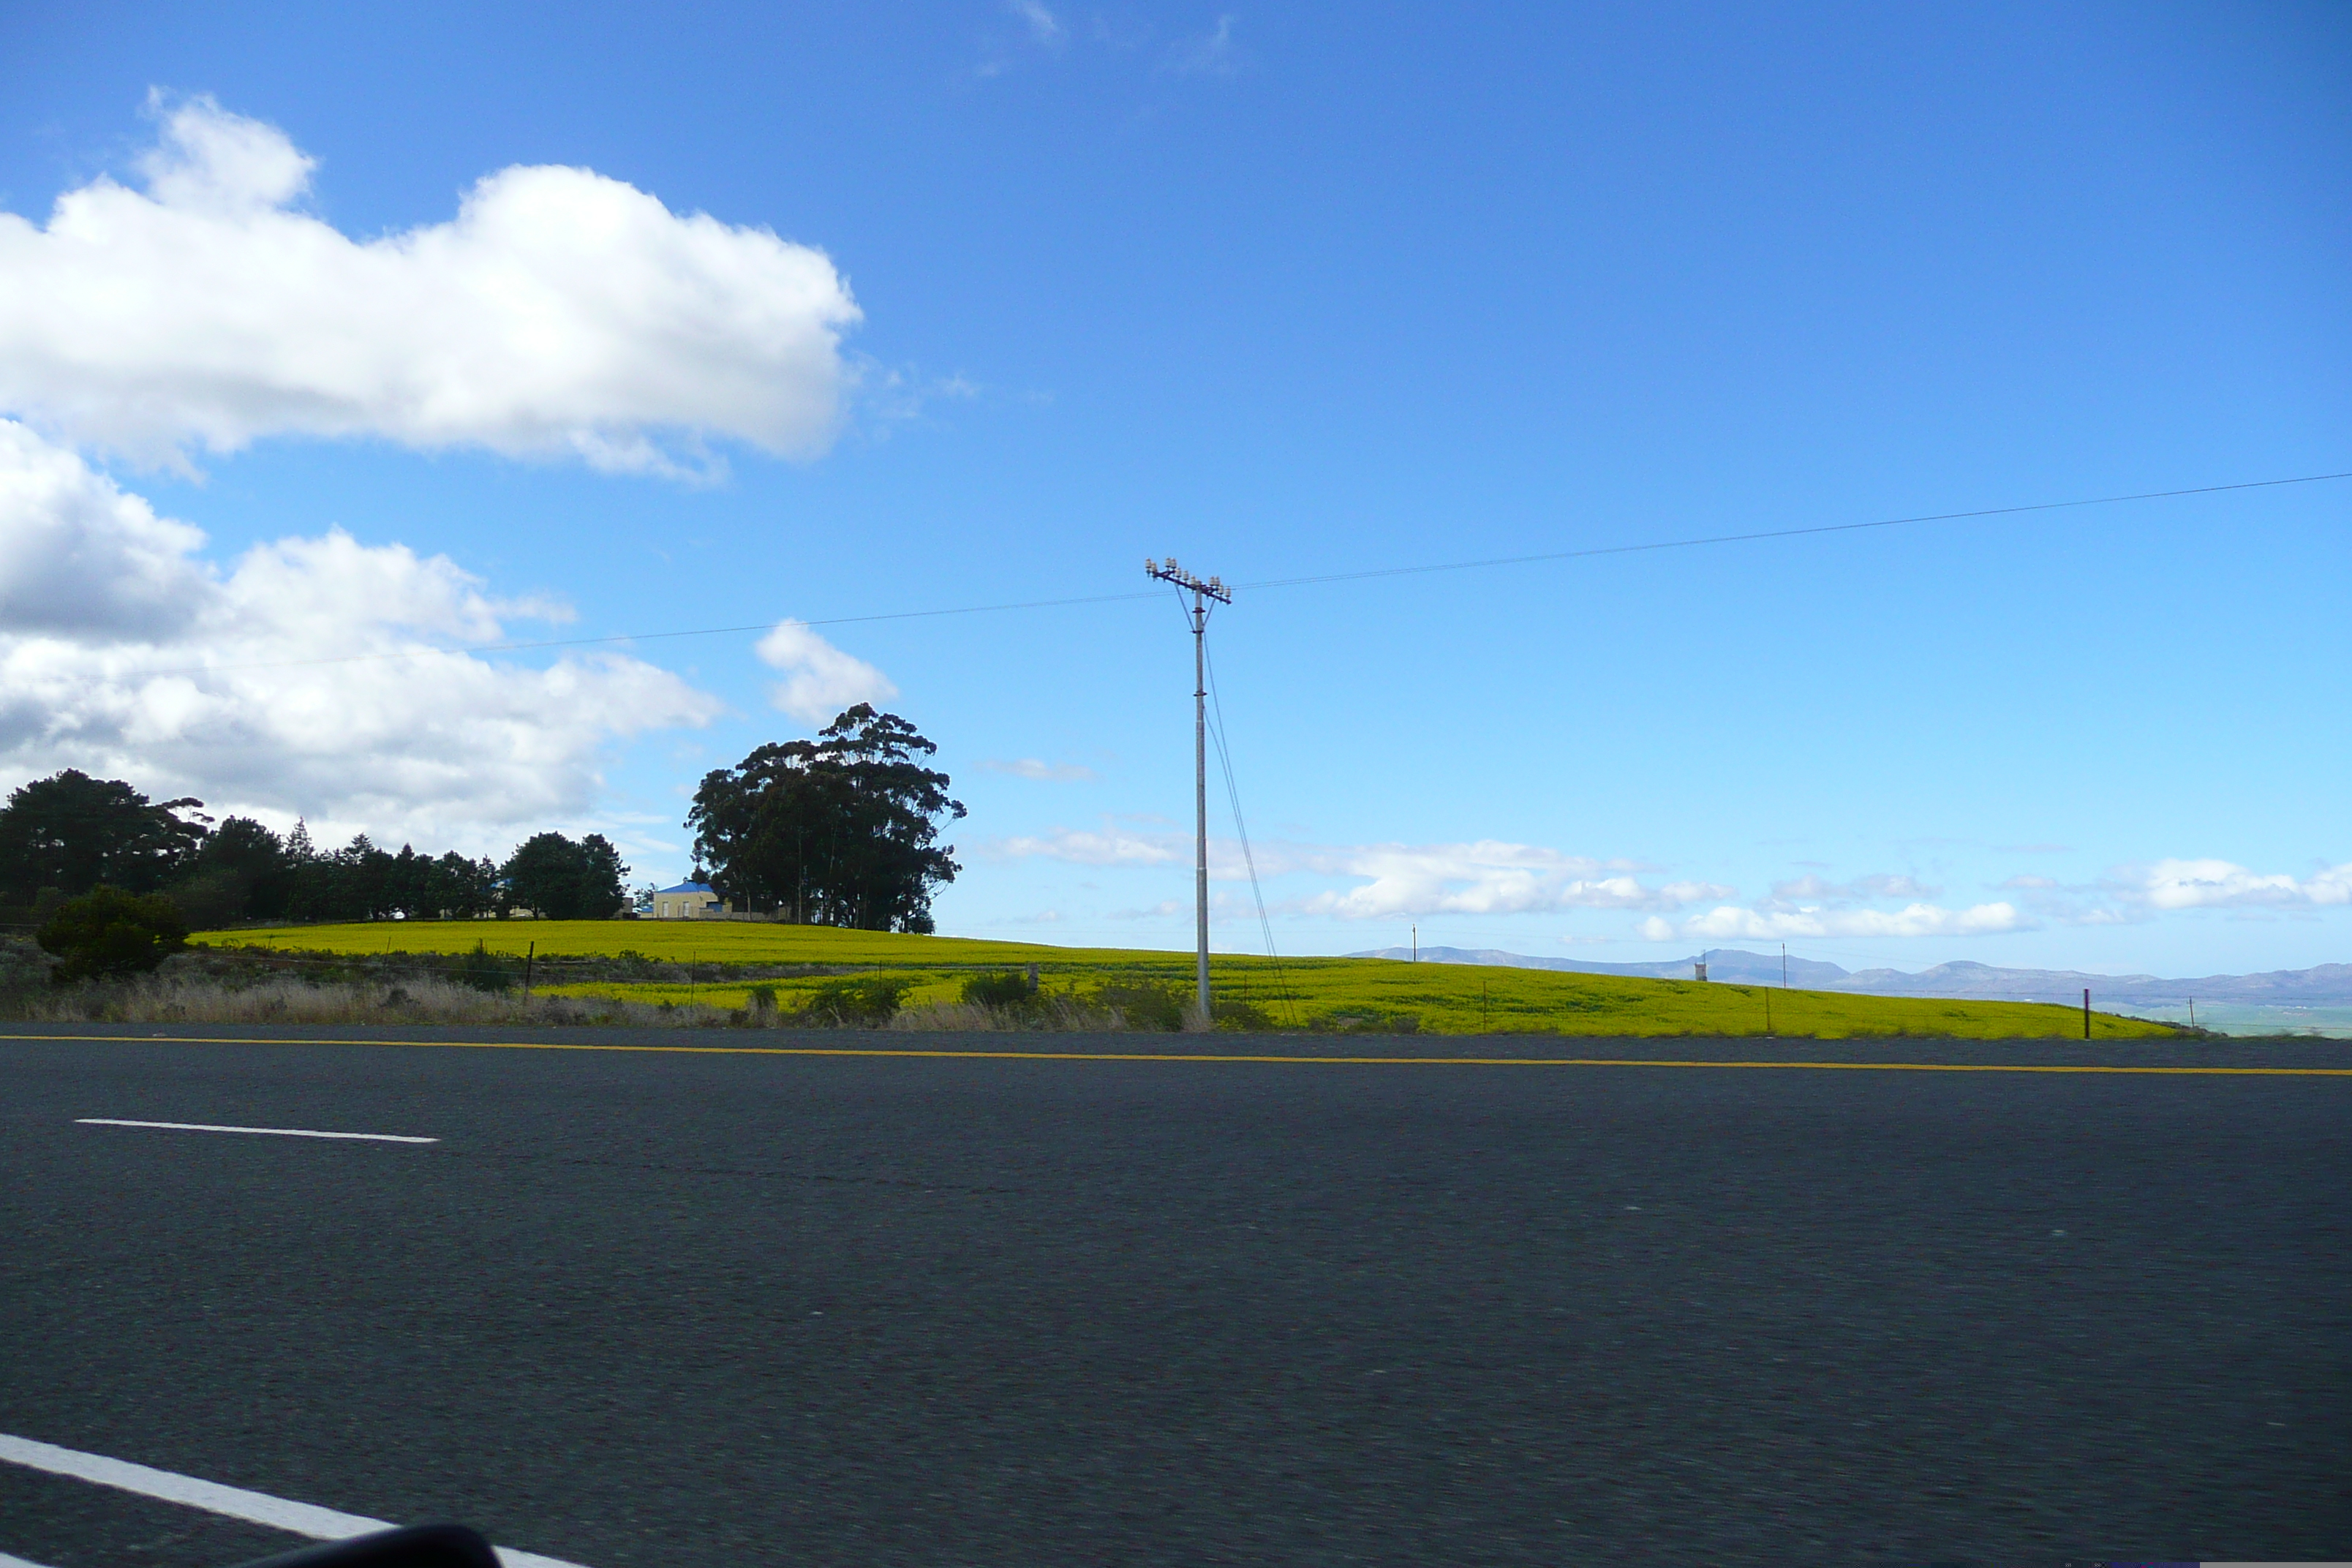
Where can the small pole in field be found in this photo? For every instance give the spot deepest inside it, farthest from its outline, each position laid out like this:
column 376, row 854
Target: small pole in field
column 1416, row 942
column 1767, row 1012
column 1784, row 966
column 2086, row 1012
column 2192, row 1011
column 1482, row 1007
column 528, row 953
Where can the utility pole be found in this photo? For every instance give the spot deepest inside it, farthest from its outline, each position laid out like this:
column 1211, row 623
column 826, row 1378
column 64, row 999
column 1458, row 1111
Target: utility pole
column 1203, row 594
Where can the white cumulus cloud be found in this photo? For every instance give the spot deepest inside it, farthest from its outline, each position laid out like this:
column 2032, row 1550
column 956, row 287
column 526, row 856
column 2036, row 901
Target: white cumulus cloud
column 1112, row 846
column 2218, row 884
column 558, row 312
column 82, row 559
column 820, row 680
column 310, row 675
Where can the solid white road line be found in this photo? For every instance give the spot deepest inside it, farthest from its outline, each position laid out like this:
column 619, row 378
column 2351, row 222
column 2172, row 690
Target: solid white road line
column 267, row 1131
column 255, row 1508
column 9, row 1562
column 299, row 1518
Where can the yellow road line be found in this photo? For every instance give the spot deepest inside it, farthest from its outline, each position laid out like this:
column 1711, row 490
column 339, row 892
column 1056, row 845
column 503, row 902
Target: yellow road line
column 1209, row 1056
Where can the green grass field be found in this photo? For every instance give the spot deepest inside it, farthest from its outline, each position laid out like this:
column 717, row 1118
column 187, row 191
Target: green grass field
column 1320, row 992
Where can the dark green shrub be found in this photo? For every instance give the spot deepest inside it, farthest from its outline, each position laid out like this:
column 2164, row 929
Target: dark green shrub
column 762, row 1000
column 486, row 971
column 1237, row 1015
column 865, row 1000
column 1145, row 1006
column 1011, row 989
column 22, row 964
column 107, row 931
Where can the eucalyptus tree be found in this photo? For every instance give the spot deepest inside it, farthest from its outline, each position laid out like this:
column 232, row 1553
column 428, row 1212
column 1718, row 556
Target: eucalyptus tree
column 842, row 830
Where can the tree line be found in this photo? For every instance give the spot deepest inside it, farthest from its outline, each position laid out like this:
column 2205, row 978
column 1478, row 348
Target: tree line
column 68, row 835
column 842, row 830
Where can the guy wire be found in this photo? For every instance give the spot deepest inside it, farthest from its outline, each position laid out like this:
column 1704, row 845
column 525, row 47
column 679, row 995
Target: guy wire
column 1234, row 794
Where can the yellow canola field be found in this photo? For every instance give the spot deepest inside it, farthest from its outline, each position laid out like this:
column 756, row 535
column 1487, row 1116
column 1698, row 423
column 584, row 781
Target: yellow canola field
column 673, row 941
column 1321, row 992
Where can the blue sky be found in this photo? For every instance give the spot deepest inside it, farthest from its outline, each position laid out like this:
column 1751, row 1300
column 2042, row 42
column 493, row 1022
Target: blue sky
column 1283, row 293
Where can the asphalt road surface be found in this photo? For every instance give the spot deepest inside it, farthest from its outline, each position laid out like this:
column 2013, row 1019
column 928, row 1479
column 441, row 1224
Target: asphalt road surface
column 641, row 1310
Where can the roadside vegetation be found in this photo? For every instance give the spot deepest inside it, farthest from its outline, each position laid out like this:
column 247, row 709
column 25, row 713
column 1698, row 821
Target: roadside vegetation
column 840, row 832
column 760, row 974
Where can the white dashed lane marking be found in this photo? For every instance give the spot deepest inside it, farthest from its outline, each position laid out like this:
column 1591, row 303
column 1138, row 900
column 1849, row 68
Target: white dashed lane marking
column 265, row 1131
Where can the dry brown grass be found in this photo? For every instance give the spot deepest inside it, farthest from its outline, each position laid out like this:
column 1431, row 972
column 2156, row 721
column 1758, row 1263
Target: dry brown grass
column 176, row 999
column 196, row 999
column 1056, row 1015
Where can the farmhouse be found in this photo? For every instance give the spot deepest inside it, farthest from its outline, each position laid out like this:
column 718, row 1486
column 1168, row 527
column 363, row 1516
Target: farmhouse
column 688, row 900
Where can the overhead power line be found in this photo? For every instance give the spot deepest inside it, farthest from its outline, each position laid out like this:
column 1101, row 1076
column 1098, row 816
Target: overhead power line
column 1780, row 533
column 1537, row 558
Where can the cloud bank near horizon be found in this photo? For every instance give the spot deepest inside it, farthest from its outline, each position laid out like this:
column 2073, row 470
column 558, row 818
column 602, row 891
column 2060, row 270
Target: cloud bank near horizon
column 2223, row 885
column 1488, row 878
column 1484, row 877
column 559, row 311
column 1729, row 922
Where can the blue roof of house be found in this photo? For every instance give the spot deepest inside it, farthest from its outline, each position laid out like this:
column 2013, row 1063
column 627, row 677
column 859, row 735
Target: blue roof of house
column 686, row 888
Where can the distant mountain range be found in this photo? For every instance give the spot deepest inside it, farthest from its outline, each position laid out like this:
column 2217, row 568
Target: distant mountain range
column 2328, row 983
